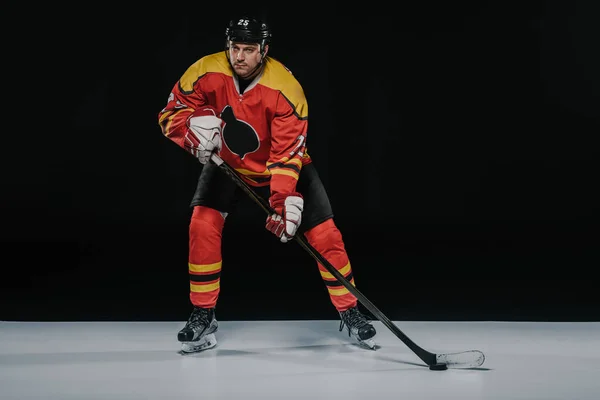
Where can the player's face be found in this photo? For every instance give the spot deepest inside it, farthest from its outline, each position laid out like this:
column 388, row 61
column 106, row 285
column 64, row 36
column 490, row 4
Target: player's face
column 244, row 58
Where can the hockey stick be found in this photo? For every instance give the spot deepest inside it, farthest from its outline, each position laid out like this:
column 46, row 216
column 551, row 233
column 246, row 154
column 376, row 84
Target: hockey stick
column 465, row 359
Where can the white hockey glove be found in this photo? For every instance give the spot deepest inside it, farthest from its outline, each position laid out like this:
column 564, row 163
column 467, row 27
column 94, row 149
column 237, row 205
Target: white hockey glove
column 288, row 215
column 203, row 136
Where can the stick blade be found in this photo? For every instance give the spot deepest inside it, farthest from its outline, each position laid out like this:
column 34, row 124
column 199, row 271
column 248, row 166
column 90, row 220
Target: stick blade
column 463, row 359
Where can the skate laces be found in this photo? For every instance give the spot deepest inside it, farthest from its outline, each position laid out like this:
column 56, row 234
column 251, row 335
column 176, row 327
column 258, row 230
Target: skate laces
column 353, row 318
column 199, row 318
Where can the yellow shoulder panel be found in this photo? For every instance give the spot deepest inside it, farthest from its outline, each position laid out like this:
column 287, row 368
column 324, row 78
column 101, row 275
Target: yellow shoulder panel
column 216, row 62
column 278, row 77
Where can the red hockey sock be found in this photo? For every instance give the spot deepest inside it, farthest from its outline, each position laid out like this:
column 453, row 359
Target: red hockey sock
column 327, row 240
column 204, row 262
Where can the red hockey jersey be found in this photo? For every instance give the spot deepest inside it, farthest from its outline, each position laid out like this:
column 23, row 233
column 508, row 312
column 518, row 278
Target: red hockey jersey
column 264, row 130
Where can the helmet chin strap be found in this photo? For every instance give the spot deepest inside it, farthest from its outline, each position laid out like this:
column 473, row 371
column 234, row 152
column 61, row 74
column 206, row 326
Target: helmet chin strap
column 258, row 66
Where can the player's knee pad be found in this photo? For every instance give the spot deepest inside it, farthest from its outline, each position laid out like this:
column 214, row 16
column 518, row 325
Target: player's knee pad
column 325, row 235
column 206, row 221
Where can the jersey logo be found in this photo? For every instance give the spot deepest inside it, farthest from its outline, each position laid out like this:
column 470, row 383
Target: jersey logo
column 239, row 136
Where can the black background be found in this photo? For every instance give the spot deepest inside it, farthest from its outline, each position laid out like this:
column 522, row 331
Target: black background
column 457, row 141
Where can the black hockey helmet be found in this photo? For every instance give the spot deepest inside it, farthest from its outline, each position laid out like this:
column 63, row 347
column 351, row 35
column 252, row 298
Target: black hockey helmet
column 248, row 30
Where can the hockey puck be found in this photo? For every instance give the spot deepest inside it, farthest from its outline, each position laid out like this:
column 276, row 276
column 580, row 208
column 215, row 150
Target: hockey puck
column 438, row 367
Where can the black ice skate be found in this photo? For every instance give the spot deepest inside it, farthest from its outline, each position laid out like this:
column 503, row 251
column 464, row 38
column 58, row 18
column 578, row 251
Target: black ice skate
column 199, row 332
column 358, row 327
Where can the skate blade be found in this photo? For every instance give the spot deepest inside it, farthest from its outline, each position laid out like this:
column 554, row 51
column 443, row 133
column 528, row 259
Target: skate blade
column 369, row 344
column 207, row 342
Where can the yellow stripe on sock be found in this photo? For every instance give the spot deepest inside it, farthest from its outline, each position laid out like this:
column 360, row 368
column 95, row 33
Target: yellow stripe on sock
column 344, row 271
column 340, row 292
column 202, row 288
column 205, row 267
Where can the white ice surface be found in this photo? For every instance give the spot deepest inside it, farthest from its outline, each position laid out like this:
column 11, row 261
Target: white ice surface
column 296, row 360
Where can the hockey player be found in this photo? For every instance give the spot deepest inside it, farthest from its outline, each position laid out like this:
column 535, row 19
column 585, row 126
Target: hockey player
column 250, row 109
